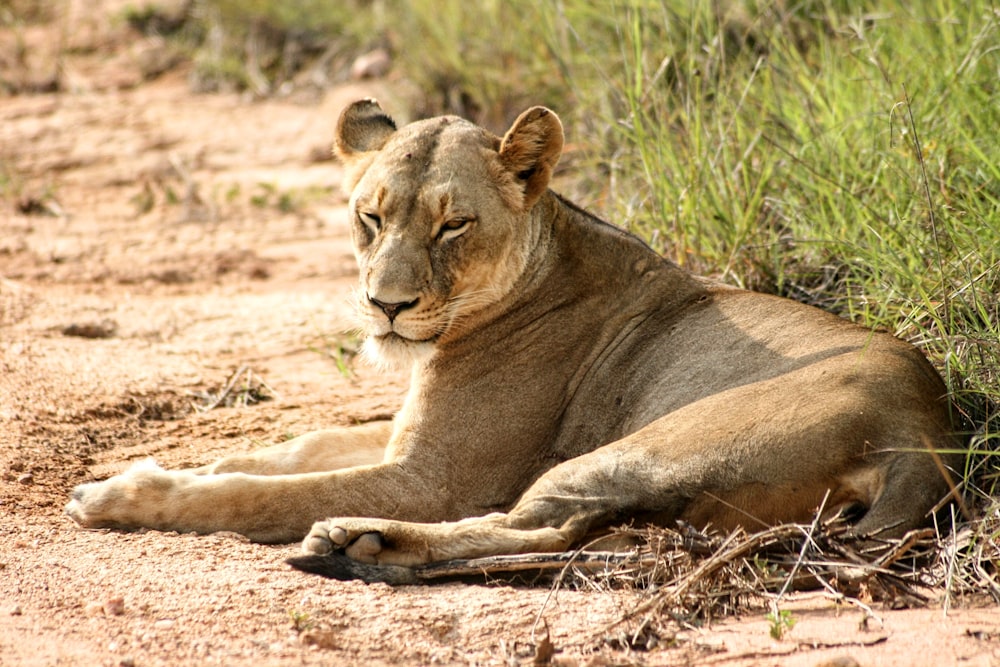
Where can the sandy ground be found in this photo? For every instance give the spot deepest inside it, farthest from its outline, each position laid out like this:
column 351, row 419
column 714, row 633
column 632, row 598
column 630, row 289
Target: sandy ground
column 153, row 242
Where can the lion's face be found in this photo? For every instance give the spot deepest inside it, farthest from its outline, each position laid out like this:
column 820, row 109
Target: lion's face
column 434, row 237
column 441, row 225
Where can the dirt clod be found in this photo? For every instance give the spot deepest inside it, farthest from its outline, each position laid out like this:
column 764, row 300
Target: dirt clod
column 114, row 606
column 323, row 639
column 100, row 329
column 93, row 608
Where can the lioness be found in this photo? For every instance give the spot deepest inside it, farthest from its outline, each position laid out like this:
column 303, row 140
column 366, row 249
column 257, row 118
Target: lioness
column 565, row 377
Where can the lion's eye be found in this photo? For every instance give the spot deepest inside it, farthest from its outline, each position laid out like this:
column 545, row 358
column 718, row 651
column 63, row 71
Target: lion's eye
column 454, row 227
column 370, row 220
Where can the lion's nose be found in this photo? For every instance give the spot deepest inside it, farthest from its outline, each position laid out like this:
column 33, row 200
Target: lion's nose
column 391, row 310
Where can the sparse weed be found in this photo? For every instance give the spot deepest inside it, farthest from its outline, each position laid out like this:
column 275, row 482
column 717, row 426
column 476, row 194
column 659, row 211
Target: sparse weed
column 270, row 196
column 781, row 623
column 170, row 195
column 263, row 195
column 11, row 184
column 340, row 348
column 301, row 620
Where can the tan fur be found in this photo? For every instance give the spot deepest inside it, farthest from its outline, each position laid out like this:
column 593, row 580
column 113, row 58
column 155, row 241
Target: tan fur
column 565, row 378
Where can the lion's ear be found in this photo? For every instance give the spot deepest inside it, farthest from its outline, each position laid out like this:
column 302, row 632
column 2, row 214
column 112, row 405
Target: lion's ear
column 362, row 128
column 531, row 149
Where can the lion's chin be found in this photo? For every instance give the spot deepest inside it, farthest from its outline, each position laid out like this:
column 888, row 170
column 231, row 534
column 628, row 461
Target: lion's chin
column 393, row 352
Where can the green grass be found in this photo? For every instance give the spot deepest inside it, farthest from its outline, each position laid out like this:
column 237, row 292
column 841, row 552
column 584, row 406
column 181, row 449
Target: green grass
column 845, row 154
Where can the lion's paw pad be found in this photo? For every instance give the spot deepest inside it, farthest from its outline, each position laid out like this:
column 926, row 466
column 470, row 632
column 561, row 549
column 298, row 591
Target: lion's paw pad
column 328, row 536
column 366, row 547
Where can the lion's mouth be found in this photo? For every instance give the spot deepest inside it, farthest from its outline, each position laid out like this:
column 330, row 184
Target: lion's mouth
column 392, row 337
column 393, row 350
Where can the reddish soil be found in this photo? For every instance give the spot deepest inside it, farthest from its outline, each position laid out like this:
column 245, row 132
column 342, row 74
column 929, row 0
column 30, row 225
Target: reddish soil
column 154, row 241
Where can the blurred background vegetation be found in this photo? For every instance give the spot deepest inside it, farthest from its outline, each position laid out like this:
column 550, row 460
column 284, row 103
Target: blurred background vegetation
column 843, row 153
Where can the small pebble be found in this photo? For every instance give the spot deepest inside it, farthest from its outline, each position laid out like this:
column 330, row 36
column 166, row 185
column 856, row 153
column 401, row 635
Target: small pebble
column 16, row 610
column 93, row 609
column 26, row 478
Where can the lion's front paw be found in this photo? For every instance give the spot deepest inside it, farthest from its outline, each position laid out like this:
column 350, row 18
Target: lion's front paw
column 82, row 508
column 119, row 502
column 359, row 539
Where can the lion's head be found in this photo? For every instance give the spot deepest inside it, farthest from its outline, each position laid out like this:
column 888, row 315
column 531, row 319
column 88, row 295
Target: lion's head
column 441, row 219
